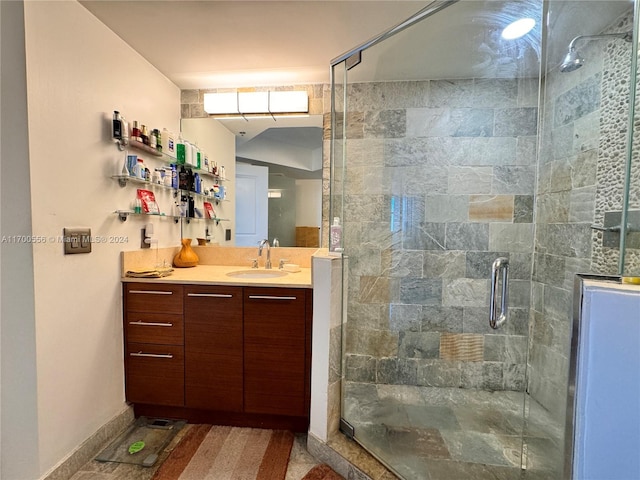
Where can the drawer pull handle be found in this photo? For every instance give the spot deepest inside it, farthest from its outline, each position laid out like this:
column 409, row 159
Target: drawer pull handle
column 151, row 292
column 152, row 324
column 270, row 297
column 215, row 295
column 151, row 355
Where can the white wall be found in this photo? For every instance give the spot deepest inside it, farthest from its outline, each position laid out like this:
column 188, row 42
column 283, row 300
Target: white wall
column 220, row 145
column 78, row 72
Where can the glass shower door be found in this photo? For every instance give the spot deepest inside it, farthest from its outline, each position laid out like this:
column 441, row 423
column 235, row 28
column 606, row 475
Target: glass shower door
column 435, row 181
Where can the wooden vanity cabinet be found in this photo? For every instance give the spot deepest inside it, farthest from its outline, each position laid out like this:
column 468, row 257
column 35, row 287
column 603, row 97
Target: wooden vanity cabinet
column 154, row 344
column 228, row 355
column 213, row 348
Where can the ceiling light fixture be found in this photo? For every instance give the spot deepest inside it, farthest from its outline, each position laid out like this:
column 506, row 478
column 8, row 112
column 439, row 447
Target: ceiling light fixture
column 518, row 29
column 243, row 103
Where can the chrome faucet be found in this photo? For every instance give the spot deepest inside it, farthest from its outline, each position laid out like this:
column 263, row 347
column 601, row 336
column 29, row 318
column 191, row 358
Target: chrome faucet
column 267, row 264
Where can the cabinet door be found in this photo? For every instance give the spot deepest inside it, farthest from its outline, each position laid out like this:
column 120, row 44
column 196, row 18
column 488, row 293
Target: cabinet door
column 275, row 351
column 155, row 374
column 213, row 347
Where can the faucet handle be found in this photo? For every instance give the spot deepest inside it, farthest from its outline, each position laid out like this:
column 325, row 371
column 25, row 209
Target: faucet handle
column 282, row 262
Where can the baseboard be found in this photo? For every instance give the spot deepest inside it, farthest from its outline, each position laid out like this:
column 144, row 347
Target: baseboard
column 234, row 419
column 91, row 446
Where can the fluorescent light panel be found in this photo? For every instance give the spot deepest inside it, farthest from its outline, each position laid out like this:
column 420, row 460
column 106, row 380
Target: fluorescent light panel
column 221, row 103
column 288, row 102
column 256, row 102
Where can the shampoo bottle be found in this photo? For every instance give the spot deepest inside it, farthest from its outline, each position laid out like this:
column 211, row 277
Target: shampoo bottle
column 335, row 240
column 180, row 150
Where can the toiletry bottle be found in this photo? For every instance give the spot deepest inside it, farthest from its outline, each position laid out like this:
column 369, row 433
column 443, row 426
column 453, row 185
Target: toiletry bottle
column 183, row 179
column 158, row 139
column 188, row 153
column 180, row 150
column 168, row 143
column 135, row 131
column 145, row 135
column 335, row 241
column 174, row 176
column 196, row 183
column 190, row 180
column 191, row 207
column 125, row 131
column 132, row 161
column 138, row 169
column 222, row 172
column 117, row 125
column 194, row 155
column 153, row 140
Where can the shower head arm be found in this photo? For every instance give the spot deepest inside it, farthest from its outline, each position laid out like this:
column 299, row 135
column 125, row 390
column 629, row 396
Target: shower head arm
column 626, row 36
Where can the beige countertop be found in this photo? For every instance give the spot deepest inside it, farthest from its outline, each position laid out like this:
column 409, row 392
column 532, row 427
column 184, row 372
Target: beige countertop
column 217, row 275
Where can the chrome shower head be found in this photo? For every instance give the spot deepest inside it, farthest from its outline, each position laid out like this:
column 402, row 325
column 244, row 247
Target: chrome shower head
column 572, row 61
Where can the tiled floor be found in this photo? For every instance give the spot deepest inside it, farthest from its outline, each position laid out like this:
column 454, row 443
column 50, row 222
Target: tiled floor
column 300, row 462
column 450, row 433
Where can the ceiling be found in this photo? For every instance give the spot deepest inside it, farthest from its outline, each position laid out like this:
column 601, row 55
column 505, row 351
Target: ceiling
column 213, row 44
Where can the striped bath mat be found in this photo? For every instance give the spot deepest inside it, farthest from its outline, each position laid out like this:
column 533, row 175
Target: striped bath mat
column 228, row 453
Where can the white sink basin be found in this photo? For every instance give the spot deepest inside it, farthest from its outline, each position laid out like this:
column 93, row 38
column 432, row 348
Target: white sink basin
column 256, row 273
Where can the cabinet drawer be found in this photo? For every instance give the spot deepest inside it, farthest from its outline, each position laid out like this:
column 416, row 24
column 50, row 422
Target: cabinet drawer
column 159, row 328
column 283, row 302
column 153, row 298
column 155, row 374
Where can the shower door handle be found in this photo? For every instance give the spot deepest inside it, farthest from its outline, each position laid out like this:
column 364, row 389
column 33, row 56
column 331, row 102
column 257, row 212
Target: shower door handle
column 496, row 320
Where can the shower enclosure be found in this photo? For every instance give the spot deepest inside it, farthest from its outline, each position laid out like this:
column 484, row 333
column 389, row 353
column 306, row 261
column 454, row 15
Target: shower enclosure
column 474, row 178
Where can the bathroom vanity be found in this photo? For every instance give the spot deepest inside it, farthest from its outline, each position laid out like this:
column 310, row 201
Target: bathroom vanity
column 206, row 346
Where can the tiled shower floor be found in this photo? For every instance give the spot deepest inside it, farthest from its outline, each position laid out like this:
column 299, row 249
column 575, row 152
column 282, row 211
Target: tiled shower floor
column 450, row 433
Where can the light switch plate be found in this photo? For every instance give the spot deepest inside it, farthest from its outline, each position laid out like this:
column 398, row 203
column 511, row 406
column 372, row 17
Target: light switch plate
column 77, row 240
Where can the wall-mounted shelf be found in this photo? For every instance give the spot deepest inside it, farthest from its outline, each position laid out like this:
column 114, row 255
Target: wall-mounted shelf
column 124, row 179
column 168, row 159
column 124, row 214
column 140, row 146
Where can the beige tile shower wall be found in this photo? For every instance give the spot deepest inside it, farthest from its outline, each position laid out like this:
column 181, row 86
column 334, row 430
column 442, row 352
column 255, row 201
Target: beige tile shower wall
column 439, row 182
column 583, row 141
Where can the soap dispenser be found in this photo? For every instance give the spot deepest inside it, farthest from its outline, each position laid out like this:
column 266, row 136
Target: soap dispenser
column 335, row 236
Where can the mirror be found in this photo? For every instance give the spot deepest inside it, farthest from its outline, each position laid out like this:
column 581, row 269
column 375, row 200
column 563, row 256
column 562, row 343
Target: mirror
column 281, row 197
